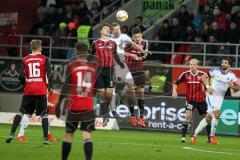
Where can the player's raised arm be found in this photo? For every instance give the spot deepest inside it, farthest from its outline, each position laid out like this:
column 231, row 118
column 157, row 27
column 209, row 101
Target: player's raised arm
column 234, row 83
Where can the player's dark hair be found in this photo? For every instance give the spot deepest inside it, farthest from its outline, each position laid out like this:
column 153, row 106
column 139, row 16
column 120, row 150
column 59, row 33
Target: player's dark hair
column 105, row 25
column 114, row 24
column 227, row 59
column 36, row 44
column 81, row 48
column 136, row 30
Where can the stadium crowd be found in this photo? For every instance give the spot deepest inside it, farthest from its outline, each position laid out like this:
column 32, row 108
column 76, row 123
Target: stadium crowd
column 216, row 21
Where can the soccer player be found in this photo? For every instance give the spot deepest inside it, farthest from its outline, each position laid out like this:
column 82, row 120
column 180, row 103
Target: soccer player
column 195, row 94
column 78, row 90
column 134, row 59
column 223, row 79
column 122, row 41
column 33, row 76
column 105, row 50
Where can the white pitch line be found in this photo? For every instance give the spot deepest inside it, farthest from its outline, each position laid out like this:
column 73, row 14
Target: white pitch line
column 201, row 150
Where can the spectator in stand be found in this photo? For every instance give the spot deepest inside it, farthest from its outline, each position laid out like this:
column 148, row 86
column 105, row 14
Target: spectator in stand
column 235, row 15
column 68, row 12
column 124, row 29
column 177, row 33
column 90, row 3
column 217, row 31
column 84, row 31
column 232, row 34
column 197, row 48
column 220, row 17
column 138, row 23
column 211, row 49
column 42, row 12
column 71, row 33
column 207, row 16
column 60, row 17
column 189, row 34
column 183, row 16
column 196, row 22
column 165, row 31
column 226, row 6
column 10, row 34
column 95, row 9
column 83, row 10
column 176, row 30
column 216, row 60
column 165, row 35
column 205, row 32
column 59, row 40
column 158, row 47
column 201, row 5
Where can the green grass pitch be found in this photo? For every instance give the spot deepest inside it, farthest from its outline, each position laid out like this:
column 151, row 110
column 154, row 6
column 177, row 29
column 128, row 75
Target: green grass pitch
column 119, row 145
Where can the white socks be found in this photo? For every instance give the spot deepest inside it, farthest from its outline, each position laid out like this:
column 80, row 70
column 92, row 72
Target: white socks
column 200, row 127
column 113, row 101
column 214, row 126
column 24, row 124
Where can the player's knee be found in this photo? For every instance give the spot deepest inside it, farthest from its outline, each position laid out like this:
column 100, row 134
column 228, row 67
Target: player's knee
column 69, row 137
column 86, row 135
column 208, row 119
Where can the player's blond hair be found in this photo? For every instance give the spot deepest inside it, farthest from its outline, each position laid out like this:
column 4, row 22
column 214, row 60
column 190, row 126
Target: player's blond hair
column 36, row 44
column 194, row 59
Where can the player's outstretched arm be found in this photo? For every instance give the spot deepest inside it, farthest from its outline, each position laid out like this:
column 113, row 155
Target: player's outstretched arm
column 234, row 85
column 136, row 46
column 174, row 91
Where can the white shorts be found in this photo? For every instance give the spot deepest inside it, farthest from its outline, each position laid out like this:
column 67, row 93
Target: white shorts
column 123, row 73
column 214, row 102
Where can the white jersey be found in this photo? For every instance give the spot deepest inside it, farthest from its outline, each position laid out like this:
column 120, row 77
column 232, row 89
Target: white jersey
column 122, row 41
column 220, row 81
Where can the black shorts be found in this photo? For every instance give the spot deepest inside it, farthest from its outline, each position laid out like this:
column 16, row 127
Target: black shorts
column 86, row 119
column 31, row 103
column 139, row 78
column 200, row 106
column 105, row 78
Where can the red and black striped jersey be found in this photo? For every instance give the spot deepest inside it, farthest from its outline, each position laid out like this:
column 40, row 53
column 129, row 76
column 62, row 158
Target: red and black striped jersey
column 195, row 91
column 104, row 52
column 136, row 65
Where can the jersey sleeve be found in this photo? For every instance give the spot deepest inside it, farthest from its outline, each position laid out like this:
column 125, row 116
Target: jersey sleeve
column 212, row 72
column 127, row 39
column 22, row 76
column 234, row 79
column 180, row 79
column 49, row 72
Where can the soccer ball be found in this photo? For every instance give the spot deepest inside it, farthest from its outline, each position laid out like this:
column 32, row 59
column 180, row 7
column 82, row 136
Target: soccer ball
column 122, row 15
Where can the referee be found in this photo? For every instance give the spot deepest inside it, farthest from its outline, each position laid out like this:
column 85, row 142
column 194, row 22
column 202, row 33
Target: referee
column 195, row 95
